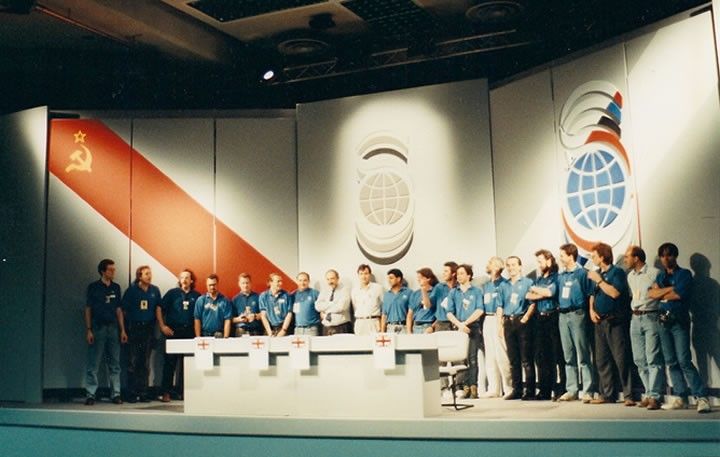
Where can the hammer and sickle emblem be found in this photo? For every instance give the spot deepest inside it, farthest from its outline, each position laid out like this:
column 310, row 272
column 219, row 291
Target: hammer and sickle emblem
column 80, row 160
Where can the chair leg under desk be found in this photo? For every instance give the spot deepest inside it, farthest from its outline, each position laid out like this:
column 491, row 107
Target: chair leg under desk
column 455, row 404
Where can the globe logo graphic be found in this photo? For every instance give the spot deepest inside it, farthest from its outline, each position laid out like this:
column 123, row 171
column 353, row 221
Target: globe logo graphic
column 598, row 191
column 384, row 197
column 384, row 220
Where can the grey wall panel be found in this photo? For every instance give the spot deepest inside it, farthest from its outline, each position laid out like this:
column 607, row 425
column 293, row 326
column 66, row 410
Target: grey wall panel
column 256, row 189
column 673, row 86
column 23, row 144
column 525, row 167
column 440, row 151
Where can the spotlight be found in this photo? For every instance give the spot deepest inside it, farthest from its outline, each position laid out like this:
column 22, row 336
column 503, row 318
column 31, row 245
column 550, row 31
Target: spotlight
column 268, row 75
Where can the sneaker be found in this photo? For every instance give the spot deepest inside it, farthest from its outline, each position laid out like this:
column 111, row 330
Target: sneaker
column 513, row 395
column 473, row 392
column 460, row 393
column 587, row 398
column 568, row 396
column 703, row 405
column 676, row 403
column 489, row 395
column 89, row 401
column 117, row 400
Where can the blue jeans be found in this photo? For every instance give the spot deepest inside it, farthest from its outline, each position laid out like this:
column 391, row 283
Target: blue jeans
column 575, row 339
column 313, row 330
column 107, row 344
column 419, row 329
column 647, row 353
column 675, row 339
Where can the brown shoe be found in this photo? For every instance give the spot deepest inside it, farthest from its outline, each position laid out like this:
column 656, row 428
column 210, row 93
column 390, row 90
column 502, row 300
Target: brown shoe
column 644, row 402
column 653, row 404
column 165, row 398
column 473, row 392
column 598, row 401
column 630, row 402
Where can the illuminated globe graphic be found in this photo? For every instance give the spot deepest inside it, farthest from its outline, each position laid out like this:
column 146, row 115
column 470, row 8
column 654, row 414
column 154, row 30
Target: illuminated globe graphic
column 384, row 198
column 596, row 189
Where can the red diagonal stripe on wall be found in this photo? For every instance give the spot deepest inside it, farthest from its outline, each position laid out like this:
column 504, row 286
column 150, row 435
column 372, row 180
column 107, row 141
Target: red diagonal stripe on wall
column 148, row 207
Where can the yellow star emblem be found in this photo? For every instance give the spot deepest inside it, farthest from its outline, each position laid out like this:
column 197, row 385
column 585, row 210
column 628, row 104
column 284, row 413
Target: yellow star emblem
column 80, row 136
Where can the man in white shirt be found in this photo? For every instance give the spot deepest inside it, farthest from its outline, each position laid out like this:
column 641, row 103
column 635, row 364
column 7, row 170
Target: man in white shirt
column 366, row 299
column 333, row 303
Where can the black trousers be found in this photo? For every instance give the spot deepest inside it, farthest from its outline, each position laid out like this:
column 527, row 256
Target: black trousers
column 476, row 343
column 549, row 355
column 140, row 335
column 170, row 361
column 519, row 340
column 613, row 357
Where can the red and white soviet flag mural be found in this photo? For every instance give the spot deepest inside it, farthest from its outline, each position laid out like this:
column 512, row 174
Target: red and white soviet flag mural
column 143, row 203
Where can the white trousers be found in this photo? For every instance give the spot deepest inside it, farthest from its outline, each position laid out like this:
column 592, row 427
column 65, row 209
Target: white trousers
column 497, row 364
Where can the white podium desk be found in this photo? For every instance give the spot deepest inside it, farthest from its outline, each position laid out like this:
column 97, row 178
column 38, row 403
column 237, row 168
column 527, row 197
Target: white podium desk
column 342, row 380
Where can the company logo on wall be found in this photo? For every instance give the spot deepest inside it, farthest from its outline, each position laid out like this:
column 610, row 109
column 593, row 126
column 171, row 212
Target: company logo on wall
column 384, row 220
column 599, row 193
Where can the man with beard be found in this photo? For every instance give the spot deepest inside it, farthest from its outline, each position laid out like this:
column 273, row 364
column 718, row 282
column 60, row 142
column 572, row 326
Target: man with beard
column 548, row 350
column 213, row 311
column 139, row 304
column 175, row 319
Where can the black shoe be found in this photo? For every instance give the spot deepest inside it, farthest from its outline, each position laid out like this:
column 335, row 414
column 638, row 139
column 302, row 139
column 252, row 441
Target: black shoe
column 544, row 396
column 144, row 399
column 117, row 400
column 89, row 401
column 527, row 396
column 132, row 399
column 513, row 395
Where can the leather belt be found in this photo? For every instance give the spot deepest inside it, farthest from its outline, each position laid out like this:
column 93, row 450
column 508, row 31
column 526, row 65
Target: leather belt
column 642, row 313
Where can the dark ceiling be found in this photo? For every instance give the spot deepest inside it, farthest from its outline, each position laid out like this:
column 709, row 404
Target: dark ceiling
column 210, row 54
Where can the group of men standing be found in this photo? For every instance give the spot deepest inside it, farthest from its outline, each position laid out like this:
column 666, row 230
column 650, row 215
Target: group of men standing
column 574, row 325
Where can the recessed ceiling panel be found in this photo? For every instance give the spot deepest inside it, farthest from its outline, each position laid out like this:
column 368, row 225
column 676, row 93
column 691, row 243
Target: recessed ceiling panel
column 231, row 10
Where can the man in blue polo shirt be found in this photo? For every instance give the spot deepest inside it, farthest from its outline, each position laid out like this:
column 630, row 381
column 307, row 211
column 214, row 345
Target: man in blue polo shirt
column 105, row 330
column 139, row 304
column 307, row 318
column 672, row 287
column 497, row 364
column 175, row 319
column 517, row 328
column 609, row 307
column 246, row 309
column 548, row 350
column 421, row 308
column 465, row 311
column 395, row 304
column 213, row 311
column 440, row 295
column 574, row 289
column 276, row 308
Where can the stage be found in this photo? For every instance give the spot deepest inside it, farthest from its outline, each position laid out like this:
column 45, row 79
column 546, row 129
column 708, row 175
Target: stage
column 491, row 427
